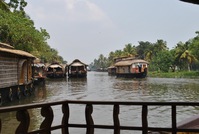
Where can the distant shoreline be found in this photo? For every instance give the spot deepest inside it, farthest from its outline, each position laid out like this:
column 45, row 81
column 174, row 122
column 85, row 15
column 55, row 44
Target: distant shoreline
column 177, row 74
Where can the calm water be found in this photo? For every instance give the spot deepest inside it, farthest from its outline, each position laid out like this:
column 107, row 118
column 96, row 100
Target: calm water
column 101, row 87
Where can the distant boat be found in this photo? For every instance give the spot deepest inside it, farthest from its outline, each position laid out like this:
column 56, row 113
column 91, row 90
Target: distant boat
column 131, row 68
column 39, row 70
column 77, row 69
column 112, row 70
column 55, row 70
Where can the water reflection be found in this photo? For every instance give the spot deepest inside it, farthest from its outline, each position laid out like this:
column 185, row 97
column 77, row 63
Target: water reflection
column 99, row 86
column 40, row 92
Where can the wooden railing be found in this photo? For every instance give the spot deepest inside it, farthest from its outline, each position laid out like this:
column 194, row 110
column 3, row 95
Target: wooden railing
column 46, row 127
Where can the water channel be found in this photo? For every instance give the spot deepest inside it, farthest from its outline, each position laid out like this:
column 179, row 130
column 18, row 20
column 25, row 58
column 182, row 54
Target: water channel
column 99, row 86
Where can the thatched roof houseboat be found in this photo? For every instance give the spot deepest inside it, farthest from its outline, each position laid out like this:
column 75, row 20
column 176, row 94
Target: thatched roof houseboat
column 131, row 67
column 77, row 69
column 55, row 70
column 15, row 72
column 39, row 70
column 112, row 70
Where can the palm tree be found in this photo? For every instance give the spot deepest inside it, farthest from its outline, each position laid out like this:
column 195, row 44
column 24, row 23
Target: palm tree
column 148, row 55
column 184, row 54
column 160, row 45
column 129, row 50
column 189, row 58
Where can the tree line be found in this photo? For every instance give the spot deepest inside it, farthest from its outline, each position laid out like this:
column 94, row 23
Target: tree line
column 184, row 56
column 18, row 30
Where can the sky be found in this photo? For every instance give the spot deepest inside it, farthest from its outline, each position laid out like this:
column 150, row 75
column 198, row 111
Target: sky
column 84, row 29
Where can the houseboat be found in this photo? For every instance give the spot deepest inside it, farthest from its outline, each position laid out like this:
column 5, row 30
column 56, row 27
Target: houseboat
column 16, row 77
column 77, row 69
column 112, row 70
column 131, row 68
column 55, row 70
column 39, row 70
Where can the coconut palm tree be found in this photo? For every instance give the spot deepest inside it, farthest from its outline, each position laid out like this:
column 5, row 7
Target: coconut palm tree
column 129, row 50
column 160, row 45
column 184, row 54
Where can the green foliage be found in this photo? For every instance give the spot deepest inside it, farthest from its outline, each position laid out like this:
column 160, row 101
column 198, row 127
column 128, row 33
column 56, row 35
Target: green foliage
column 143, row 48
column 18, row 30
column 4, row 6
column 100, row 64
column 183, row 57
column 177, row 74
column 162, row 61
column 18, row 5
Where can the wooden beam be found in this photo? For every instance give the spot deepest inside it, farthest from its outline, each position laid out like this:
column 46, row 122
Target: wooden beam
column 191, row 1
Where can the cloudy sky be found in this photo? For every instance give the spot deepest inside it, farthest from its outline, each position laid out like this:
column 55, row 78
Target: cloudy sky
column 84, row 29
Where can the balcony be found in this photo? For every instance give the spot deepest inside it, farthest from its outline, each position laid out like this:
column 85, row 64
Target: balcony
column 46, row 110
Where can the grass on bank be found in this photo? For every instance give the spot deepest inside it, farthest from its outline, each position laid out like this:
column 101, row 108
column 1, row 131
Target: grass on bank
column 177, row 74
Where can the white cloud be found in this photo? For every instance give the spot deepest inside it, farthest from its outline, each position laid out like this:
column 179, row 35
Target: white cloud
column 70, row 4
column 78, row 11
column 84, row 10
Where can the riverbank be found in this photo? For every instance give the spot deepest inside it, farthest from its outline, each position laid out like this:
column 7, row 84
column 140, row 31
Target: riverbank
column 177, row 74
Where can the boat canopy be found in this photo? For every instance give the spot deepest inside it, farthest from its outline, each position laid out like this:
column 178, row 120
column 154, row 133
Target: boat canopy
column 55, row 66
column 130, row 62
column 39, row 65
column 9, row 49
column 77, row 64
column 111, row 67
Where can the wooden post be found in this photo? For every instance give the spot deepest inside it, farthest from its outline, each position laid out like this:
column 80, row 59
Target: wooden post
column 89, row 119
column 24, row 118
column 0, row 125
column 144, row 119
column 116, row 121
column 173, row 115
column 65, row 111
column 47, row 112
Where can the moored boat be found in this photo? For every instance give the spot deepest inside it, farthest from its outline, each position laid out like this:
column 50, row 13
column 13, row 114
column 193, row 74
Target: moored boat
column 39, row 70
column 77, row 69
column 16, row 75
column 112, row 70
column 131, row 68
column 55, row 70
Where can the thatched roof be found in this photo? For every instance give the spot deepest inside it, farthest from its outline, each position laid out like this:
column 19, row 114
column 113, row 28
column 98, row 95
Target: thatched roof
column 55, row 65
column 77, row 62
column 111, row 67
column 9, row 49
column 191, row 1
column 38, row 65
column 130, row 62
column 4, row 45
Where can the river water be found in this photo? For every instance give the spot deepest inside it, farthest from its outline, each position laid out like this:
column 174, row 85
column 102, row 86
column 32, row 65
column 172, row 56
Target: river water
column 98, row 86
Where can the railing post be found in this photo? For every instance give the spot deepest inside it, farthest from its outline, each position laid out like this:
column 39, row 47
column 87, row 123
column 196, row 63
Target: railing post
column 89, row 119
column 47, row 112
column 144, row 119
column 173, row 115
column 0, row 125
column 116, row 111
column 24, row 118
column 65, row 111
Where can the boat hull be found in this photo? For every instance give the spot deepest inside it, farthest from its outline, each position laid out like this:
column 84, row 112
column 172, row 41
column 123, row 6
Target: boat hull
column 131, row 75
column 17, row 92
column 77, row 75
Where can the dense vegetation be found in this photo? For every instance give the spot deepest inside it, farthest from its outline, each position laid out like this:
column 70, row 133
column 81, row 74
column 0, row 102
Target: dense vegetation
column 183, row 57
column 18, row 30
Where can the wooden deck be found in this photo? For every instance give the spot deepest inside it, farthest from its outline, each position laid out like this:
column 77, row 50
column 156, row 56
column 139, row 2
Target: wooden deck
column 46, row 127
